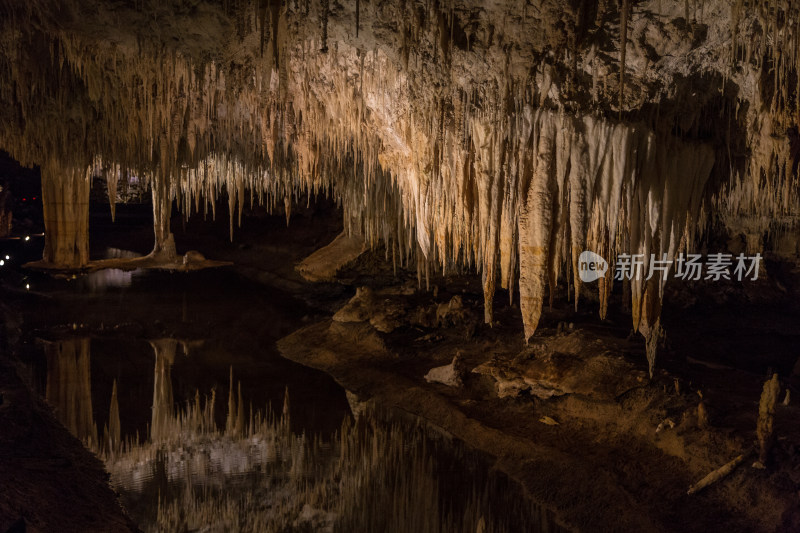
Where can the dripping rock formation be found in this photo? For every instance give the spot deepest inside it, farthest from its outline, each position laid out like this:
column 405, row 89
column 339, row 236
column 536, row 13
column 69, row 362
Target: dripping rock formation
column 498, row 141
column 503, row 137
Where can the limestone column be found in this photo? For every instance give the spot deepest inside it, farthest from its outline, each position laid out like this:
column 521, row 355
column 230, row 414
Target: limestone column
column 65, row 197
column 164, row 247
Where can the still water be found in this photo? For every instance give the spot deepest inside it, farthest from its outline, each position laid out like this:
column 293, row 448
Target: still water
column 174, row 381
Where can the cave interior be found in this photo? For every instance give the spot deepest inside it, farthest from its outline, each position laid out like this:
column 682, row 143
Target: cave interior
column 414, row 265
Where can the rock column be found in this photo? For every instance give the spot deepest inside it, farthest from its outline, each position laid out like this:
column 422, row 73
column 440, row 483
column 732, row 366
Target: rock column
column 65, row 197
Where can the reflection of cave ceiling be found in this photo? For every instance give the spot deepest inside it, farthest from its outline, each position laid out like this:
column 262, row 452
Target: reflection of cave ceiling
column 499, row 135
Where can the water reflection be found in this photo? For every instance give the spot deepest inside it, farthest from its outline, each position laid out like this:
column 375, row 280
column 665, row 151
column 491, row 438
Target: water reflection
column 106, row 279
column 110, row 278
column 69, row 388
column 161, row 425
column 377, row 473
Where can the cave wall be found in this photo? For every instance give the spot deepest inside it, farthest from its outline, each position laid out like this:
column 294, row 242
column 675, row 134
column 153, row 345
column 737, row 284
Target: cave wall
column 501, row 136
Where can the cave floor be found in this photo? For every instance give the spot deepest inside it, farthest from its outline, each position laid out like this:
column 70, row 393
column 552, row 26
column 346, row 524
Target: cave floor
column 572, row 415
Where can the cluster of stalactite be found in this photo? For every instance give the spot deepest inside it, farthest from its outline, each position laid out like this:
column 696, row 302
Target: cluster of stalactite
column 442, row 132
column 762, row 195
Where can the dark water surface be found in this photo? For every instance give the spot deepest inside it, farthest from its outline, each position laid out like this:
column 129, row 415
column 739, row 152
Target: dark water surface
column 174, row 380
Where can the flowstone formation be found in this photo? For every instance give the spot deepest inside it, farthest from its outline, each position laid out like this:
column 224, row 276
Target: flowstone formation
column 506, row 137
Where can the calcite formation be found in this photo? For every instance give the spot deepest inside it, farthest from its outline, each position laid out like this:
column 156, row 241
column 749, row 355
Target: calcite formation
column 501, row 136
column 65, row 197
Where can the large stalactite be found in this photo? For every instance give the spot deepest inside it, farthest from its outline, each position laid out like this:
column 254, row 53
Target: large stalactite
column 458, row 134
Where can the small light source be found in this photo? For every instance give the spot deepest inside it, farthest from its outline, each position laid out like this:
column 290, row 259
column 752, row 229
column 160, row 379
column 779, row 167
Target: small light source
column 2, row 262
column 28, row 286
column 7, row 258
column 27, row 237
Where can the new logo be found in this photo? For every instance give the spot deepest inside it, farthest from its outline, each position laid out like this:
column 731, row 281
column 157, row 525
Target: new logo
column 591, row 266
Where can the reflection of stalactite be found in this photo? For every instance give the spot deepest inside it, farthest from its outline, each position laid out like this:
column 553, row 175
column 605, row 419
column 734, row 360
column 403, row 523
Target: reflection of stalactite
column 65, row 198
column 235, row 424
column 162, row 419
column 113, row 430
column 69, row 386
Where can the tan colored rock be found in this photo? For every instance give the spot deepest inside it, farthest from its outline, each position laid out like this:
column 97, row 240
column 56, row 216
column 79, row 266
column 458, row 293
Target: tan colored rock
column 193, row 256
column 568, row 364
column 451, row 375
column 510, row 165
column 324, row 264
column 65, row 199
column 766, row 417
column 450, row 313
column 359, row 308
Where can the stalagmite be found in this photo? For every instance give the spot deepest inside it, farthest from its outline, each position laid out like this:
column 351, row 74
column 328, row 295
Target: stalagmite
column 766, row 417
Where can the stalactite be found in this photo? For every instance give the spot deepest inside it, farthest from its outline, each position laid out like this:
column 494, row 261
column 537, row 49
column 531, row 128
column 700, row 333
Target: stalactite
column 111, row 188
column 325, row 12
column 449, row 165
column 623, row 45
column 262, row 22
column 275, row 13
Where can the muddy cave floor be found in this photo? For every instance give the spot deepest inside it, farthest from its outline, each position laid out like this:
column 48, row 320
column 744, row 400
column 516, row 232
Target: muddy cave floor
column 603, row 467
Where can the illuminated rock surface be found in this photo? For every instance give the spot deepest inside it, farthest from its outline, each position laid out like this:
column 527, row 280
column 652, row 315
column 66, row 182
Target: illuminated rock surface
column 478, row 135
column 497, row 140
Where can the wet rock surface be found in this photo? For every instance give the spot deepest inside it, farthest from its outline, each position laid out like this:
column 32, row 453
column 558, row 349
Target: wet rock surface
column 50, row 482
column 572, row 414
column 571, row 363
